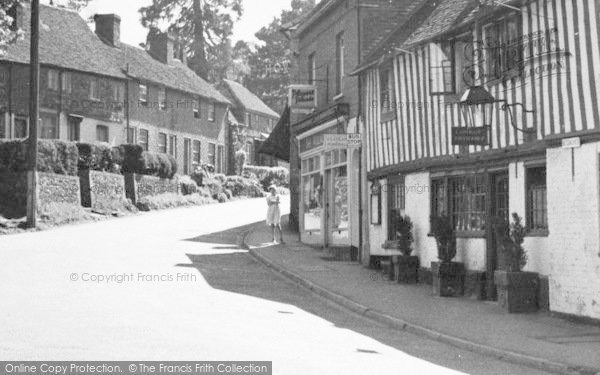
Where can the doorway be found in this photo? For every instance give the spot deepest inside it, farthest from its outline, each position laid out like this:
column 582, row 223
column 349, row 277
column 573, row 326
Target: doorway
column 498, row 210
column 337, row 223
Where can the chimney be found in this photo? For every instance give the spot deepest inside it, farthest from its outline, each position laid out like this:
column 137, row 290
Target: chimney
column 160, row 45
column 108, row 28
column 16, row 12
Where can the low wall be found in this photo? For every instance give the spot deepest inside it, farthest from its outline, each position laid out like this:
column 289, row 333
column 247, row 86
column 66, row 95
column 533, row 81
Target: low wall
column 51, row 188
column 101, row 190
column 140, row 186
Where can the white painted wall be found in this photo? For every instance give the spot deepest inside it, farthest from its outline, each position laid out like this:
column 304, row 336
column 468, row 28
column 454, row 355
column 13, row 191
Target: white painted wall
column 573, row 244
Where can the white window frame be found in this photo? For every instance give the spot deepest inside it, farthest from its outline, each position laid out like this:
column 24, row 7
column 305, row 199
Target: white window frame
column 211, row 112
column 143, row 91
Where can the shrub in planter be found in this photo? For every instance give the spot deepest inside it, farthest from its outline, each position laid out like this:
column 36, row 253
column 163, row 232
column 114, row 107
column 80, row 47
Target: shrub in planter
column 448, row 276
column 408, row 266
column 517, row 290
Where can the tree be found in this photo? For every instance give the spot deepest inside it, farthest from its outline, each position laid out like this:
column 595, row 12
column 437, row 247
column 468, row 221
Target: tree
column 203, row 27
column 270, row 63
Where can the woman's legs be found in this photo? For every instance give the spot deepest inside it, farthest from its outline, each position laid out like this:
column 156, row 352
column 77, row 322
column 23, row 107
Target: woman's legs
column 273, row 229
column 280, row 233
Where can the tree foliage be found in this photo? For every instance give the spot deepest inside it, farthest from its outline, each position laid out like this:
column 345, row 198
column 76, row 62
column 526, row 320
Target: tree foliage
column 270, row 63
column 203, row 27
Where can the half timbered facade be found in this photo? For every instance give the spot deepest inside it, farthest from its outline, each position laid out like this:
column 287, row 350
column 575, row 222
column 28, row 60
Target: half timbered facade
column 540, row 60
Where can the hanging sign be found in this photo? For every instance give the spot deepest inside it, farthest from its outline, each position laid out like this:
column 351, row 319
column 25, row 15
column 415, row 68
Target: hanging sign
column 471, row 136
column 302, row 98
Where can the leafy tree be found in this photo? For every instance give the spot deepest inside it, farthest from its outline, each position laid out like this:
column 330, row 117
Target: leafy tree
column 203, row 28
column 271, row 61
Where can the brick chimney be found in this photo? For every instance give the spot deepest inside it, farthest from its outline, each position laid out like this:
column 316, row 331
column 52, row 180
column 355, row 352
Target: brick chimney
column 108, row 28
column 160, row 45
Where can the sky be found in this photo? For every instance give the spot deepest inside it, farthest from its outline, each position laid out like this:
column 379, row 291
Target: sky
column 257, row 13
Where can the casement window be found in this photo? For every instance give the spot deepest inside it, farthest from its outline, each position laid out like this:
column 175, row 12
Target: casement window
column 118, row 90
column 503, row 50
column 537, row 200
column 212, row 149
column 21, row 128
column 143, row 139
column 102, row 133
column 248, row 120
column 211, row 111
column 442, row 66
column 48, row 126
column 339, row 63
column 67, row 82
column 162, row 143
column 311, row 69
column 53, row 80
column 397, row 204
column 197, row 109
column 143, row 94
column 173, row 146
column 162, row 99
column 386, row 92
column 463, row 199
column 94, row 93
column 196, row 154
column 132, row 135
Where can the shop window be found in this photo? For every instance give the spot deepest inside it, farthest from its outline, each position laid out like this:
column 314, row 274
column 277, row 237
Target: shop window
column 463, row 199
column 537, row 200
column 48, row 126
column 312, row 201
column 162, row 143
column 143, row 139
column 396, row 204
column 102, row 133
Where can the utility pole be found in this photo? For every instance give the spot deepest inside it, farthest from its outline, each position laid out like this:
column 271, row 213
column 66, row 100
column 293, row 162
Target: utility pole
column 34, row 86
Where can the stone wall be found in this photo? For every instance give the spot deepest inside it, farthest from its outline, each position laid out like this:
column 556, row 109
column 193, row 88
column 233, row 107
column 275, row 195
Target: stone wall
column 101, row 190
column 139, row 186
column 13, row 195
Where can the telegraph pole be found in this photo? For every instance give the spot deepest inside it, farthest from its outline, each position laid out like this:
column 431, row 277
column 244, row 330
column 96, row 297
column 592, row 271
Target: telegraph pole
column 34, row 86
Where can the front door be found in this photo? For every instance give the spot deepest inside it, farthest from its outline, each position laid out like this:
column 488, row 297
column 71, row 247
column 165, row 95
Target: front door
column 498, row 209
column 338, row 220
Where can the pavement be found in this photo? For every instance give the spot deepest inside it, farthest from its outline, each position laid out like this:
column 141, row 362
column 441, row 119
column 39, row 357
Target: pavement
column 537, row 340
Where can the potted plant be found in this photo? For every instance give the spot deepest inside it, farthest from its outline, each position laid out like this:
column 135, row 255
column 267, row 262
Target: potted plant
column 407, row 266
column 517, row 290
column 448, row 276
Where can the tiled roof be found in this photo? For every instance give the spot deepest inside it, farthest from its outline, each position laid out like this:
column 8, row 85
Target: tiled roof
column 66, row 41
column 247, row 99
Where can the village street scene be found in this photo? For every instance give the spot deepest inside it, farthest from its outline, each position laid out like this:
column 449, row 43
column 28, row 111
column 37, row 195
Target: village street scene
column 300, row 187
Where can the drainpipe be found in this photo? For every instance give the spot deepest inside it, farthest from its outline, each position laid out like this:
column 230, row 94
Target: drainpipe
column 127, row 115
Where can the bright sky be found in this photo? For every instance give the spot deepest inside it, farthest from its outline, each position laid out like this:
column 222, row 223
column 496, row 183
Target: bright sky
column 257, row 13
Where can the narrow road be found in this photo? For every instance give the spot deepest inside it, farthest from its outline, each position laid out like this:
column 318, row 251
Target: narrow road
column 174, row 286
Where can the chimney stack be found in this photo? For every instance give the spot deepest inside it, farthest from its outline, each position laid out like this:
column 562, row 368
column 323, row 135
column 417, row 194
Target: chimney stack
column 108, row 28
column 160, row 45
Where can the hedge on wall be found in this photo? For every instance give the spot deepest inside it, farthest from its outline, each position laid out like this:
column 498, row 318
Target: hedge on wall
column 268, row 175
column 243, row 187
column 99, row 157
column 138, row 161
column 53, row 156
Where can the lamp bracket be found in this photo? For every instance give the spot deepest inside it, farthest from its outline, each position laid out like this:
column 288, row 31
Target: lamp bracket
column 507, row 108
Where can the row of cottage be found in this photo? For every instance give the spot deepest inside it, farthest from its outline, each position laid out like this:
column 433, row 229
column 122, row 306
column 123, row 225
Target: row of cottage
column 467, row 109
column 95, row 88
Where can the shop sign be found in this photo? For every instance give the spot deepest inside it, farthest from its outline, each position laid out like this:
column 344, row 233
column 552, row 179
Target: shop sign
column 471, row 136
column 303, row 98
column 571, row 142
column 343, row 140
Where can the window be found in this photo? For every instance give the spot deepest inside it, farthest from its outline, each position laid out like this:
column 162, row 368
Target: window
column 132, row 135
column 212, row 154
column 143, row 139
column 94, row 89
column 220, row 154
column 387, row 92
column 53, row 80
column 211, row 111
column 21, row 128
column 397, row 204
column 162, row 99
column 67, row 82
column 250, row 152
column 270, row 124
column 312, row 202
column 162, row 143
column 143, row 89
column 504, row 50
column 118, row 92
column 463, row 199
column 248, row 120
column 339, row 53
column 73, row 128
column 102, row 133
column 196, row 155
column 48, row 126
column 173, row 146
column 197, row 106
column 537, row 200
column 442, row 68
column 311, row 69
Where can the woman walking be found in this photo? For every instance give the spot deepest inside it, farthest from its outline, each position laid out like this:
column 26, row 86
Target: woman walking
column 274, row 213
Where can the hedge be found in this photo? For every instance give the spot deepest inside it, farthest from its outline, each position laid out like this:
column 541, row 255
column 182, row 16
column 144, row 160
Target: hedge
column 138, row 161
column 54, row 156
column 268, row 175
column 99, row 157
column 243, row 187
